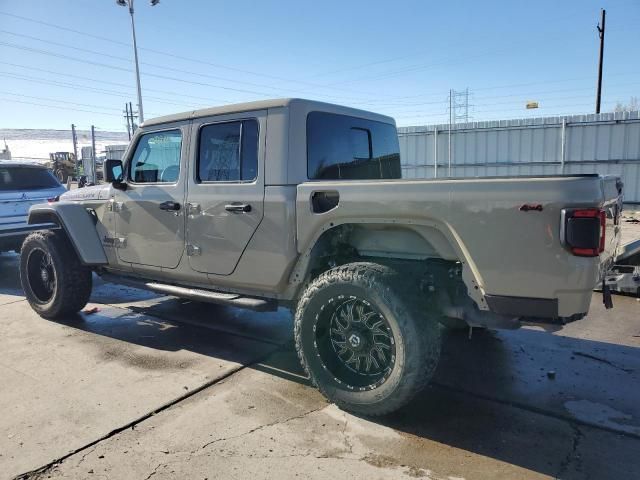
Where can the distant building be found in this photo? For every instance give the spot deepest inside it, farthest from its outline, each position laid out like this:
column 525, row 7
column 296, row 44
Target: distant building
column 115, row 152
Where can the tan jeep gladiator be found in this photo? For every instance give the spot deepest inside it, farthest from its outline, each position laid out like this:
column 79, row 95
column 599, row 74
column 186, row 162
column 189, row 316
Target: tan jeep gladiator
column 302, row 204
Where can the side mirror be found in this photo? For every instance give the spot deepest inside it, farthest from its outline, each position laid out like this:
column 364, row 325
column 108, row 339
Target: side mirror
column 113, row 172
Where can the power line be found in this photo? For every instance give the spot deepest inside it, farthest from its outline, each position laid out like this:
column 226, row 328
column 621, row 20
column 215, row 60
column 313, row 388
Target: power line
column 57, row 107
column 537, row 113
column 106, row 82
column 288, row 80
column 66, row 102
column 65, row 45
column 114, row 67
column 75, row 86
column 181, row 57
column 399, row 115
column 522, row 96
column 153, row 65
column 502, row 87
column 185, row 104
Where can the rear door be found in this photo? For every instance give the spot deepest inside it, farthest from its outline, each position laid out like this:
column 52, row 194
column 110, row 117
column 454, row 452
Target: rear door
column 226, row 189
column 150, row 220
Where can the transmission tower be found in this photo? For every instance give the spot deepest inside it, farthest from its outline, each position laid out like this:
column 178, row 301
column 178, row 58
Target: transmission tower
column 459, row 106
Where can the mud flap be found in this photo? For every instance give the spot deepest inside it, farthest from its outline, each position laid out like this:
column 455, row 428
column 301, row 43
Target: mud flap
column 606, row 296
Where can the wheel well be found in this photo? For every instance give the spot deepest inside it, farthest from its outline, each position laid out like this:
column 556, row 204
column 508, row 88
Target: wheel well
column 79, row 226
column 44, row 217
column 402, row 247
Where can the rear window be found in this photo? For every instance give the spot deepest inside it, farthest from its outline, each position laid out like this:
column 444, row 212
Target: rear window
column 340, row 147
column 26, row 178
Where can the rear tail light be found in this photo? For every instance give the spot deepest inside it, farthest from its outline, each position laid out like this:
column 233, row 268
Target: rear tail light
column 583, row 231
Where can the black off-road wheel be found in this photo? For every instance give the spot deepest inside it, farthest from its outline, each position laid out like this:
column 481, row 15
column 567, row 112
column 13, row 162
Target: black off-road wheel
column 365, row 337
column 54, row 280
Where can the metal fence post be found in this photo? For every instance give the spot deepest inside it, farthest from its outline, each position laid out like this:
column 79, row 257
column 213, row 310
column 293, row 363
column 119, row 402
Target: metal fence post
column 563, row 144
column 450, row 120
column 93, row 154
column 435, row 151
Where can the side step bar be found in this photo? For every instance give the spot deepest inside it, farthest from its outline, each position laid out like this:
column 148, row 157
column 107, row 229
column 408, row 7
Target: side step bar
column 197, row 294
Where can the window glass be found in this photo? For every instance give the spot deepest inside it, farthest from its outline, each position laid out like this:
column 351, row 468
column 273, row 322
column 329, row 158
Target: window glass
column 344, row 147
column 26, row 178
column 359, row 142
column 228, row 152
column 249, row 165
column 157, row 158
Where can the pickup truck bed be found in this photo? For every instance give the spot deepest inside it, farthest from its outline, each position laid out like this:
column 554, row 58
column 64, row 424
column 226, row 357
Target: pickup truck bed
column 506, row 231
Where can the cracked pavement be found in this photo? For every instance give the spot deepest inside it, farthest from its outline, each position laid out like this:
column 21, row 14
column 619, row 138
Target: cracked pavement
column 155, row 387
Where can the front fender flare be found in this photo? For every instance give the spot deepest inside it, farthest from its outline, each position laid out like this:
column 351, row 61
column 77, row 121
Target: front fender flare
column 79, row 226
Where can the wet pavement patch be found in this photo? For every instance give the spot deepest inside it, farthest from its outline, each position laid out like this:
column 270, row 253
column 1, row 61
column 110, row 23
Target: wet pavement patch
column 153, row 385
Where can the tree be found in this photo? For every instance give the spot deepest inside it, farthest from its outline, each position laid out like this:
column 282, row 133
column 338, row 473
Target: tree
column 632, row 106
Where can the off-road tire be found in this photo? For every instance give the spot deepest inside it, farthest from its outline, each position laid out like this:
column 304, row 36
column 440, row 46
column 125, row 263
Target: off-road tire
column 72, row 279
column 415, row 331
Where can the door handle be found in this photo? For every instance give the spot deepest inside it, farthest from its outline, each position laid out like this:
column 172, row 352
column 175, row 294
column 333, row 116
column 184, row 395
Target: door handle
column 238, row 208
column 170, row 206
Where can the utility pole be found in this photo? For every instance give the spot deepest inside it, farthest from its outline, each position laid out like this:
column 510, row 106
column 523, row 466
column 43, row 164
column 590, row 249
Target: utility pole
column 74, row 138
column 133, row 123
column 450, row 121
column 126, row 108
column 600, row 28
column 93, row 154
column 135, row 53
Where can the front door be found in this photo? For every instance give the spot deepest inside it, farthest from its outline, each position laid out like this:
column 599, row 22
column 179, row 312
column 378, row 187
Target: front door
column 226, row 190
column 150, row 220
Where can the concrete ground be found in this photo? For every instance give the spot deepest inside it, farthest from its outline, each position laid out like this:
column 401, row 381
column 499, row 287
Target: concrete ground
column 152, row 386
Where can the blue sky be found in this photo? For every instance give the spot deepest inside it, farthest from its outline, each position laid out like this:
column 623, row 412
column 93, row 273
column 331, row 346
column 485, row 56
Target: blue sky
column 70, row 61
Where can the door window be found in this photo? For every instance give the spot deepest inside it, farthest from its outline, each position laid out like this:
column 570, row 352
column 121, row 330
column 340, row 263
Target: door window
column 228, row 152
column 157, row 158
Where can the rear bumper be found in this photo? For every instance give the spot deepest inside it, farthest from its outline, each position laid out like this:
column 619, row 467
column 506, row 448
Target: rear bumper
column 523, row 306
column 11, row 238
column 569, row 308
column 23, row 229
column 11, row 242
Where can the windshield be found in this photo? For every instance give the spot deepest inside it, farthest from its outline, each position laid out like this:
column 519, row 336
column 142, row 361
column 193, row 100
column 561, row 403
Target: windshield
column 26, row 178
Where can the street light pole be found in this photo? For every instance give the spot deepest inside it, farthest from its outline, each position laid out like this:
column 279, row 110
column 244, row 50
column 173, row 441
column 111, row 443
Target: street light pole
column 600, row 28
column 135, row 54
column 129, row 3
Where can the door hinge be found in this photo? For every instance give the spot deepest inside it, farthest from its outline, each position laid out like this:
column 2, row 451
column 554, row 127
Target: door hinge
column 193, row 250
column 193, row 209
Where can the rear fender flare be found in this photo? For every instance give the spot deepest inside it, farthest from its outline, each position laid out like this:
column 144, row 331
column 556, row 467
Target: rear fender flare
column 470, row 274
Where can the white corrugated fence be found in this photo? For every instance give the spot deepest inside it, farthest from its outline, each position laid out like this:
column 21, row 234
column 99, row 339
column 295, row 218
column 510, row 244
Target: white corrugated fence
column 607, row 143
